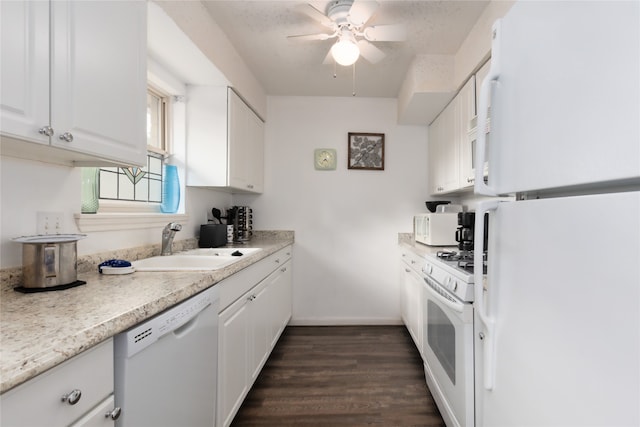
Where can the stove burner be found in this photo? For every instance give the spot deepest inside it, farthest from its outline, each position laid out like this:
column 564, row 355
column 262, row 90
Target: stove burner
column 464, row 259
column 455, row 256
column 468, row 266
column 448, row 255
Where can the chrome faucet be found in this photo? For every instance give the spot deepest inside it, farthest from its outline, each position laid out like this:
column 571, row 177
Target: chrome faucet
column 168, row 233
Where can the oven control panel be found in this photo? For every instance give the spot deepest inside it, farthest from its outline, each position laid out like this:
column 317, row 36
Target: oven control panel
column 460, row 285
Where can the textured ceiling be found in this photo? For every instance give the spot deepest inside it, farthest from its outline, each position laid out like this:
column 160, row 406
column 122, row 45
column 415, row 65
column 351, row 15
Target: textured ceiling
column 259, row 29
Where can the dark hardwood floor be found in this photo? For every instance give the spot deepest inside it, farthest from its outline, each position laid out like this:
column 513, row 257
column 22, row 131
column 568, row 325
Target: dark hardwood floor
column 341, row 376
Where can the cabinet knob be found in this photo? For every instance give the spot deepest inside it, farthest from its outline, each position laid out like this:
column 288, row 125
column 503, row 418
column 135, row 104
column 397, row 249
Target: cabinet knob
column 47, row 130
column 407, row 270
column 250, row 186
column 73, row 397
column 283, row 269
column 277, row 260
column 67, row 136
column 115, row 414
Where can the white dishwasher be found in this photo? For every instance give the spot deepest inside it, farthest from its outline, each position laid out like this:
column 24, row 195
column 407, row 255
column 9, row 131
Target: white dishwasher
column 166, row 367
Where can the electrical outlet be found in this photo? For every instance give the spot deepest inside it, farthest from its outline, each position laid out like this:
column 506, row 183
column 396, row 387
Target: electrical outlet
column 49, row 223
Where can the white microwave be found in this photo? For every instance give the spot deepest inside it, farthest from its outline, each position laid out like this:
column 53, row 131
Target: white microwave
column 436, row 229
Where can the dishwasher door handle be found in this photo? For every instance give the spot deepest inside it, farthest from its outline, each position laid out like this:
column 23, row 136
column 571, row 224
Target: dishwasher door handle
column 183, row 326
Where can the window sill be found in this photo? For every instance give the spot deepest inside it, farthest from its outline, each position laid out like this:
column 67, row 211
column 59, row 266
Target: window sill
column 125, row 221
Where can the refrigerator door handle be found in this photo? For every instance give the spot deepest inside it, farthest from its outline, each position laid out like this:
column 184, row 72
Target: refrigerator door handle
column 485, row 317
column 480, row 187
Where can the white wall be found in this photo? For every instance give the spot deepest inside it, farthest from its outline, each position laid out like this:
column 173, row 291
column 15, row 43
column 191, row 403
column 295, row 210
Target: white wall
column 346, row 222
column 28, row 187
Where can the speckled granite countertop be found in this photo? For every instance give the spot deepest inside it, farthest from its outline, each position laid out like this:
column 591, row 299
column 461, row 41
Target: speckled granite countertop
column 406, row 240
column 41, row 330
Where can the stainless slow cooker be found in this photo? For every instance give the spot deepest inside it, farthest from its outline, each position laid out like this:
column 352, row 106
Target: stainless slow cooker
column 49, row 260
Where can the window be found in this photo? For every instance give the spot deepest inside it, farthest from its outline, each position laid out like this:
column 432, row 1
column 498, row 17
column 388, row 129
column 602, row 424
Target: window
column 157, row 120
column 142, row 185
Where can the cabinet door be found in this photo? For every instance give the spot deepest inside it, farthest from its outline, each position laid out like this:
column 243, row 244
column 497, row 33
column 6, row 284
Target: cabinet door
column 256, row 153
column 233, row 354
column 261, row 307
column 480, row 76
column 24, row 72
column 246, row 151
column 467, row 96
column 207, row 148
column 238, row 173
column 411, row 287
column 435, row 142
column 283, row 300
column 443, row 152
column 98, row 78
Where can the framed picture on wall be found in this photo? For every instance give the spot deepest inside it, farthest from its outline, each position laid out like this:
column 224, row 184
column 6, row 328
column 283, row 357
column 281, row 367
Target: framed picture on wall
column 366, row 151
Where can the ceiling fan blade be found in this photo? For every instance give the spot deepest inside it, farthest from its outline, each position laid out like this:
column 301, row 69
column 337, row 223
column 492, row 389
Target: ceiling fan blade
column 386, row 33
column 307, row 37
column 361, row 11
column 370, row 52
column 328, row 59
column 315, row 14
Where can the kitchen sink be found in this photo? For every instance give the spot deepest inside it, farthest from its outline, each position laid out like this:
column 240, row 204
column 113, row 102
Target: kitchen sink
column 194, row 259
column 221, row 252
column 184, row 263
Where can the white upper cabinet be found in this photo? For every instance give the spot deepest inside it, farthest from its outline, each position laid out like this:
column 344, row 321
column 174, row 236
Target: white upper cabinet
column 24, row 89
column 74, row 78
column 444, row 150
column 467, row 96
column 225, row 141
column 452, row 140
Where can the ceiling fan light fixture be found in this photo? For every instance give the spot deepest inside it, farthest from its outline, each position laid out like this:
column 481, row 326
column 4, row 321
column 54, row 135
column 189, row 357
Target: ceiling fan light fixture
column 345, row 52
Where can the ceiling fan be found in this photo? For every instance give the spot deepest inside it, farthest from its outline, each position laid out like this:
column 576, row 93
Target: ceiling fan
column 347, row 21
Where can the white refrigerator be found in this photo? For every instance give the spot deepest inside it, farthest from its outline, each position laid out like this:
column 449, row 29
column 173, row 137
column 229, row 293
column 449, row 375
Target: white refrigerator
column 557, row 323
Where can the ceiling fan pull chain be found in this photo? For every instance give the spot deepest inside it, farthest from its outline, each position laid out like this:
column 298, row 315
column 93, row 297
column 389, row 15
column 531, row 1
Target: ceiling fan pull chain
column 354, row 80
column 335, row 69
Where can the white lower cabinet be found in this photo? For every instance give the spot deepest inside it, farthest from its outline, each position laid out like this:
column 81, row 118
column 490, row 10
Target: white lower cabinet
column 250, row 327
column 411, row 285
column 78, row 392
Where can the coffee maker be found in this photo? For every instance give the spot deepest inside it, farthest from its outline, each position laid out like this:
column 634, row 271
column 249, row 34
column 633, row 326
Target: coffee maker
column 466, row 230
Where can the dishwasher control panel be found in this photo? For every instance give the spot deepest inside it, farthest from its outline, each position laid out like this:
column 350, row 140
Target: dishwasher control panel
column 151, row 330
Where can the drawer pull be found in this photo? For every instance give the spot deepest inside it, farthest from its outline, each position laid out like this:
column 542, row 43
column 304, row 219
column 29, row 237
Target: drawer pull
column 73, row 397
column 115, row 414
column 67, row 136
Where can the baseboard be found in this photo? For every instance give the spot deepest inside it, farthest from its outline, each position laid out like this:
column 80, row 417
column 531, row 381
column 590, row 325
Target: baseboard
column 346, row 321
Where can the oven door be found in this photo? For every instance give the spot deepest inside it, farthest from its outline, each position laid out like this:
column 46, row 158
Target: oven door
column 448, row 353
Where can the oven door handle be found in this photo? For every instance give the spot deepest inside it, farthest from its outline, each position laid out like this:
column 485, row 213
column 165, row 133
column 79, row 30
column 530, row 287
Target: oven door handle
column 455, row 306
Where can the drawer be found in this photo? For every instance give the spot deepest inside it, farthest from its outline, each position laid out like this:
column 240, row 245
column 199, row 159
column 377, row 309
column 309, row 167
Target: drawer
column 413, row 260
column 238, row 284
column 38, row 402
column 100, row 416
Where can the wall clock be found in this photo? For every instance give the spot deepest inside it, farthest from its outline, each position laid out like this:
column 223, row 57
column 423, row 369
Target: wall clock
column 324, row 159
